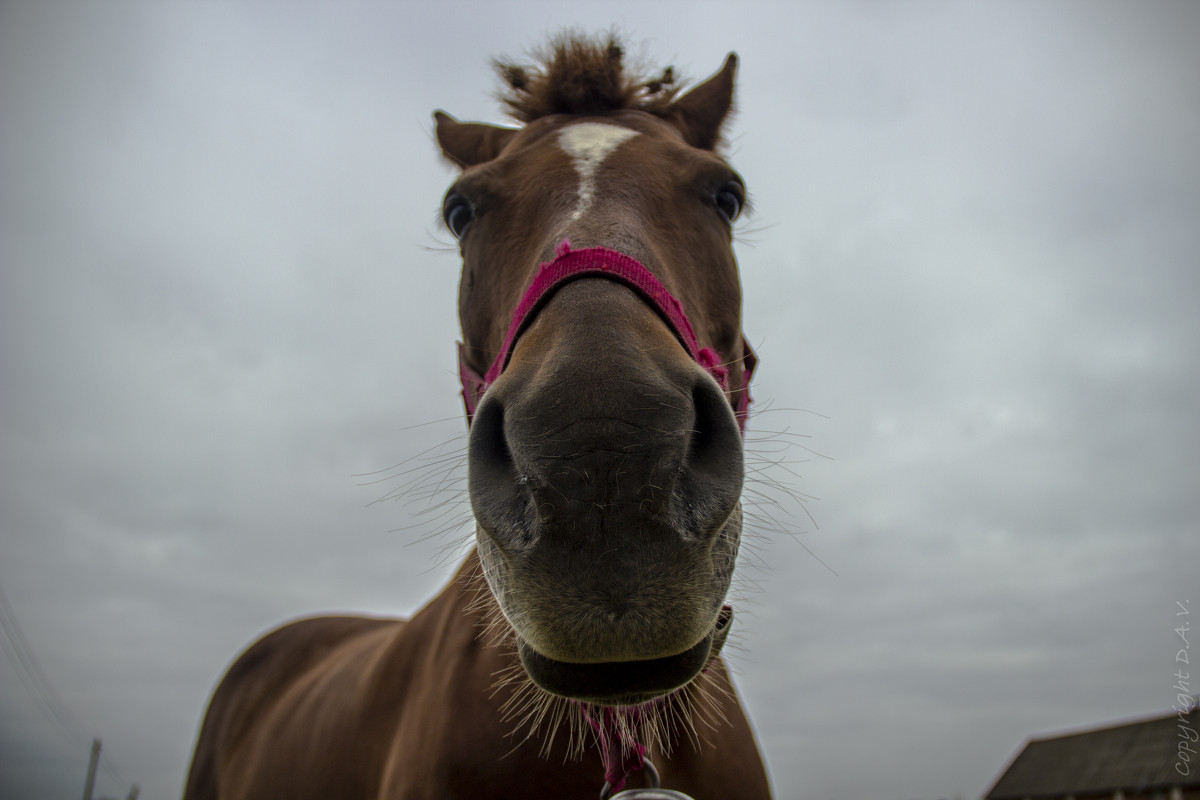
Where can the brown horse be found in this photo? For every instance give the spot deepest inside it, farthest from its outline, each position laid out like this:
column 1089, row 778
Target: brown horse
column 605, row 378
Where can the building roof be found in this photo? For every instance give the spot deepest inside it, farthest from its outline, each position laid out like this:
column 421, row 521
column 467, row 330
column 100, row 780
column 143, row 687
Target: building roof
column 1130, row 757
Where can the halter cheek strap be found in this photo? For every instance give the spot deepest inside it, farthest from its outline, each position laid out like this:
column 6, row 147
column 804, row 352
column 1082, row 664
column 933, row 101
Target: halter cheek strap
column 604, row 263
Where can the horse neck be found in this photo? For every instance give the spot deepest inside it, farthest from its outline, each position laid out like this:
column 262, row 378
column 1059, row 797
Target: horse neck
column 455, row 627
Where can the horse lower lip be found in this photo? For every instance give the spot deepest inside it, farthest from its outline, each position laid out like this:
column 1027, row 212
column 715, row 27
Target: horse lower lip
column 616, row 682
column 624, row 682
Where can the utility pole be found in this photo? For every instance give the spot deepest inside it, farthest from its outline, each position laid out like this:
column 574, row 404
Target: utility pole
column 91, row 775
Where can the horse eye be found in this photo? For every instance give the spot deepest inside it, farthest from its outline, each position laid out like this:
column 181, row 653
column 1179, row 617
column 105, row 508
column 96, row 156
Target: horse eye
column 458, row 214
column 729, row 199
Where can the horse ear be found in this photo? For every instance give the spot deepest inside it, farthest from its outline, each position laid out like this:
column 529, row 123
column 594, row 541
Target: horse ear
column 469, row 143
column 700, row 113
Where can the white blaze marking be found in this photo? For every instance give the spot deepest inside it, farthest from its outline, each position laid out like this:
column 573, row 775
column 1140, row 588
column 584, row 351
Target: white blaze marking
column 589, row 143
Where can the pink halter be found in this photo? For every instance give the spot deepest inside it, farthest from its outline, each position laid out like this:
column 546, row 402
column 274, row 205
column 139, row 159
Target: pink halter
column 600, row 262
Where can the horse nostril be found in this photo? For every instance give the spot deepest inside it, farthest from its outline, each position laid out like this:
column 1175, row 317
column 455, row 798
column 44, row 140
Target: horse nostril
column 716, row 443
column 711, row 480
column 488, row 448
column 499, row 497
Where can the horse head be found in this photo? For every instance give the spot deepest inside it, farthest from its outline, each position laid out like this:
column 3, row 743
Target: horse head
column 604, row 368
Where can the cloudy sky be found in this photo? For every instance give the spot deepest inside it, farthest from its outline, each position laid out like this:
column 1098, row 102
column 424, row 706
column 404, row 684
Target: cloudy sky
column 227, row 325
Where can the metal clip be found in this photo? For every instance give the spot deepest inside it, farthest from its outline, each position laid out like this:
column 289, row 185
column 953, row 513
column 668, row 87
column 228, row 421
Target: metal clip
column 652, row 793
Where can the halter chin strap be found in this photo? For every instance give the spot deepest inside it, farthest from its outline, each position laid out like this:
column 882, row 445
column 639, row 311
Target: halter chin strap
column 600, row 262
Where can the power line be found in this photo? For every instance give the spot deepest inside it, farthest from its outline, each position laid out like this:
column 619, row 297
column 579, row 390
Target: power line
column 34, row 678
column 37, row 683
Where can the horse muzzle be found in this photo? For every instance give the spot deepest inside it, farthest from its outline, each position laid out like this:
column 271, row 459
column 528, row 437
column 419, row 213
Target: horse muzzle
column 605, row 472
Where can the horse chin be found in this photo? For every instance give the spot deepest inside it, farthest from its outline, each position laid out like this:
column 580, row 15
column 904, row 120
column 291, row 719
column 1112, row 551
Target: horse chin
column 625, row 683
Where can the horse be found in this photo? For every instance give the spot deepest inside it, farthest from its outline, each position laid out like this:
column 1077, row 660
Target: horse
column 605, row 383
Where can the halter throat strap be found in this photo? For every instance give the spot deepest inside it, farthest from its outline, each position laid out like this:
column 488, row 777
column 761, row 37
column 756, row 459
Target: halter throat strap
column 601, row 262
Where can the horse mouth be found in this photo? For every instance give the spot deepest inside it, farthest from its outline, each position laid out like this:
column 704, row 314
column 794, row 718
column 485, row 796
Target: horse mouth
column 625, row 683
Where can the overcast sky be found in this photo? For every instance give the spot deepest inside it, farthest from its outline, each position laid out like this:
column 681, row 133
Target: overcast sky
column 973, row 280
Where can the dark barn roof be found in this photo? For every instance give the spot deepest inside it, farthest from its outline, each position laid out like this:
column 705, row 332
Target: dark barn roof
column 1131, row 757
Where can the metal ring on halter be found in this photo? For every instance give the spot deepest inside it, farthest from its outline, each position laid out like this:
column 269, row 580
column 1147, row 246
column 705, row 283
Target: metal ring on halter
column 651, row 775
column 651, row 793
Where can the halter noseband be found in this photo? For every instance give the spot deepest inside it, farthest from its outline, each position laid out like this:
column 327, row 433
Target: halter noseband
column 600, row 262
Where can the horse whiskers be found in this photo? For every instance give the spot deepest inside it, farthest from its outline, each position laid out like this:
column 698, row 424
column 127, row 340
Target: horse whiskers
column 494, row 629
column 432, row 488
column 689, row 713
column 768, row 490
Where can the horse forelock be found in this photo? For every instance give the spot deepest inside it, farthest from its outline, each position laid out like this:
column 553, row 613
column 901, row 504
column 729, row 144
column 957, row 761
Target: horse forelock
column 578, row 74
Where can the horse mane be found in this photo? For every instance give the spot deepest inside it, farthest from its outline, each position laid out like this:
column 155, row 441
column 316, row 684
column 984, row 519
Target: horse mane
column 578, row 74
